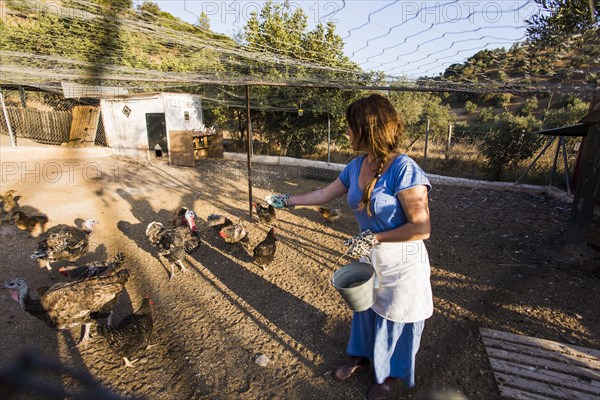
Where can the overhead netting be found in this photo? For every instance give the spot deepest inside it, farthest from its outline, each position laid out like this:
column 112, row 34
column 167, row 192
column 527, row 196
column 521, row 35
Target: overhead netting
column 112, row 44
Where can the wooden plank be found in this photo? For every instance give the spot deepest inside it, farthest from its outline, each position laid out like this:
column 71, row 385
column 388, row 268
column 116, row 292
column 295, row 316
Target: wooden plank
column 84, row 126
column 584, row 373
column 517, row 394
column 544, row 375
column 181, row 148
column 547, row 344
column 588, row 362
column 543, row 388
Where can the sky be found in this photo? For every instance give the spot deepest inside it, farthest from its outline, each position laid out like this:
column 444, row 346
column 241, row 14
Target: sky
column 406, row 39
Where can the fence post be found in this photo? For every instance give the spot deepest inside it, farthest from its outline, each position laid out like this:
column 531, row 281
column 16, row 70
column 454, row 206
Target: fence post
column 449, row 141
column 426, row 144
column 328, row 139
column 10, row 132
column 249, row 148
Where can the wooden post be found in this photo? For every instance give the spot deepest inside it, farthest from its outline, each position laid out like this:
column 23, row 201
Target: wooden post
column 426, row 144
column 8, row 127
column 449, row 142
column 249, row 147
column 328, row 139
column 587, row 191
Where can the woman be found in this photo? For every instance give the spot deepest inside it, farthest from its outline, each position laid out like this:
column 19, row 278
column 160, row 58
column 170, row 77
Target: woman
column 387, row 192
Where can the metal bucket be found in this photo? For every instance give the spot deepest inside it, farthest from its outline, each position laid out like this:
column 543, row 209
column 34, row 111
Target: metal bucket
column 356, row 283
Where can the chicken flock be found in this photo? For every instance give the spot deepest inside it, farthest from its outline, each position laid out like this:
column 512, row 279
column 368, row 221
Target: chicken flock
column 92, row 289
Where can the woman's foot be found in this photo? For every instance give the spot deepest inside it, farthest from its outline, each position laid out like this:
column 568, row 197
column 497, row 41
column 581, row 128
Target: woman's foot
column 345, row 372
column 381, row 391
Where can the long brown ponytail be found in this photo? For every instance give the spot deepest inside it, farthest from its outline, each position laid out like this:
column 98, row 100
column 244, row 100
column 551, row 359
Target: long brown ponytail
column 377, row 127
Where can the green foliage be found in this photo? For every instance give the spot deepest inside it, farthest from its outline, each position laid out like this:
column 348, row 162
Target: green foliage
column 416, row 107
column 569, row 115
column 486, row 115
column 529, row 106
column 470, row 107
column 561, row 18
column 510, row 141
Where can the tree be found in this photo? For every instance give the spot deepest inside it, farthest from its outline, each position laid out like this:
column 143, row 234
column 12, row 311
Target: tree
column 560, row 18
column 203, row 22
column 510, row 141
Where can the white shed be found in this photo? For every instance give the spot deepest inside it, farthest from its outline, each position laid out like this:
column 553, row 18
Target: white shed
column 135, row 124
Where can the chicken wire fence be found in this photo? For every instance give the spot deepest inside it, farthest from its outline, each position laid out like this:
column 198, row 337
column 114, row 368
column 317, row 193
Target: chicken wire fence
column 44, row 127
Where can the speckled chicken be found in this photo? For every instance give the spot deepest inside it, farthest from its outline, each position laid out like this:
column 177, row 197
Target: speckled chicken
column 93, row 268
column 264, row 252
column 132, row 334
column 66, row 305
column 266, row 215
column 174, row 243
column 330, row 214
column 34, row 224
column 234, row 233
column 63, row 242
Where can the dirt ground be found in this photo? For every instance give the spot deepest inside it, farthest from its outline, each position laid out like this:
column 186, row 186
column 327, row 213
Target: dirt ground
column 495, row 264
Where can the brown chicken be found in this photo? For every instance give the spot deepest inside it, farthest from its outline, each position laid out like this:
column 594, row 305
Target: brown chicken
column 264, row 252
column 34, row 224
column 234, row 233
column 8, row 202
column 266, row 215
column 66, row 305
column 132, row 334
column 330, row 214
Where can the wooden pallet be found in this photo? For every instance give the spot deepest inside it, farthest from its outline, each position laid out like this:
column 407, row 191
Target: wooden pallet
column 527, row 368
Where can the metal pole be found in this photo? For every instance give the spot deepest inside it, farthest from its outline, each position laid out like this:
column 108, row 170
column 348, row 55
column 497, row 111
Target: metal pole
column 249, row 148
column 10, row 132
column 426, row 143
column 328, row 139
column 566, row 166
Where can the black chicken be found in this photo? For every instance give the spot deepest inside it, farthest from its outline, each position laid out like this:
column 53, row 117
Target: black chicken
column 131, row 334
column 266, row 215
column 218, row 222
column 264, row 252
column 174, row 243
column 94, row 268
column 66, row 305
column 63, row 243
column 34, row 224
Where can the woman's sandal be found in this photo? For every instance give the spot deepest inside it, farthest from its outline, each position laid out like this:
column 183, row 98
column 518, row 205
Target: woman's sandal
column 345, row 372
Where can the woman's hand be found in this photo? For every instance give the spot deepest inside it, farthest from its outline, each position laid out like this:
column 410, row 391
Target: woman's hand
column 279, row 200
column 361, row 244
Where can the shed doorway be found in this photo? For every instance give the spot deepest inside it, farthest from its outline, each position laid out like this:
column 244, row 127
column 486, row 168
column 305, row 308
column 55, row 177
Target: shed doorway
column 156, row 127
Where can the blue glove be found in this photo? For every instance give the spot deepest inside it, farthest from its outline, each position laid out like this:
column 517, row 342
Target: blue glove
column 279, row 200
column 361, row 244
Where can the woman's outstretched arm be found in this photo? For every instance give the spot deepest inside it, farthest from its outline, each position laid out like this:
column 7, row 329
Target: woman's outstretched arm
column 332, row 191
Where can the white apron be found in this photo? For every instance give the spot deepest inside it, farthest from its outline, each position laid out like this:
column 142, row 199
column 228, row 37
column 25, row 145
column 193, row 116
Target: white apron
column 403, row 288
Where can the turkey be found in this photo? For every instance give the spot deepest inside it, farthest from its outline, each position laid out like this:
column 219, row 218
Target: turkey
column 264, row 252
column 174, row 243
column 132, row 334
column 266, row 215
column 63, row 243
column 34, row 224
column 330, row 214
column 94, row 268
column 178, row 217
column 66, row 305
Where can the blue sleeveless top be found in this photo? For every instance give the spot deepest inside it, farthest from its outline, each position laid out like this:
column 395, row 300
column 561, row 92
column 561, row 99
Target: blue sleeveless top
column 387, row 212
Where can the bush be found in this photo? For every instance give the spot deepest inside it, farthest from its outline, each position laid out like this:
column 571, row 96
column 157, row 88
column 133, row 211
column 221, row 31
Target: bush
column 569, row 115
column 470, row 107
column 529, row 106
column 510, row 142
column 486, row 115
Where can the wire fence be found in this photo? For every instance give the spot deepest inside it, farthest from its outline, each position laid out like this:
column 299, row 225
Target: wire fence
column 46, row 127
